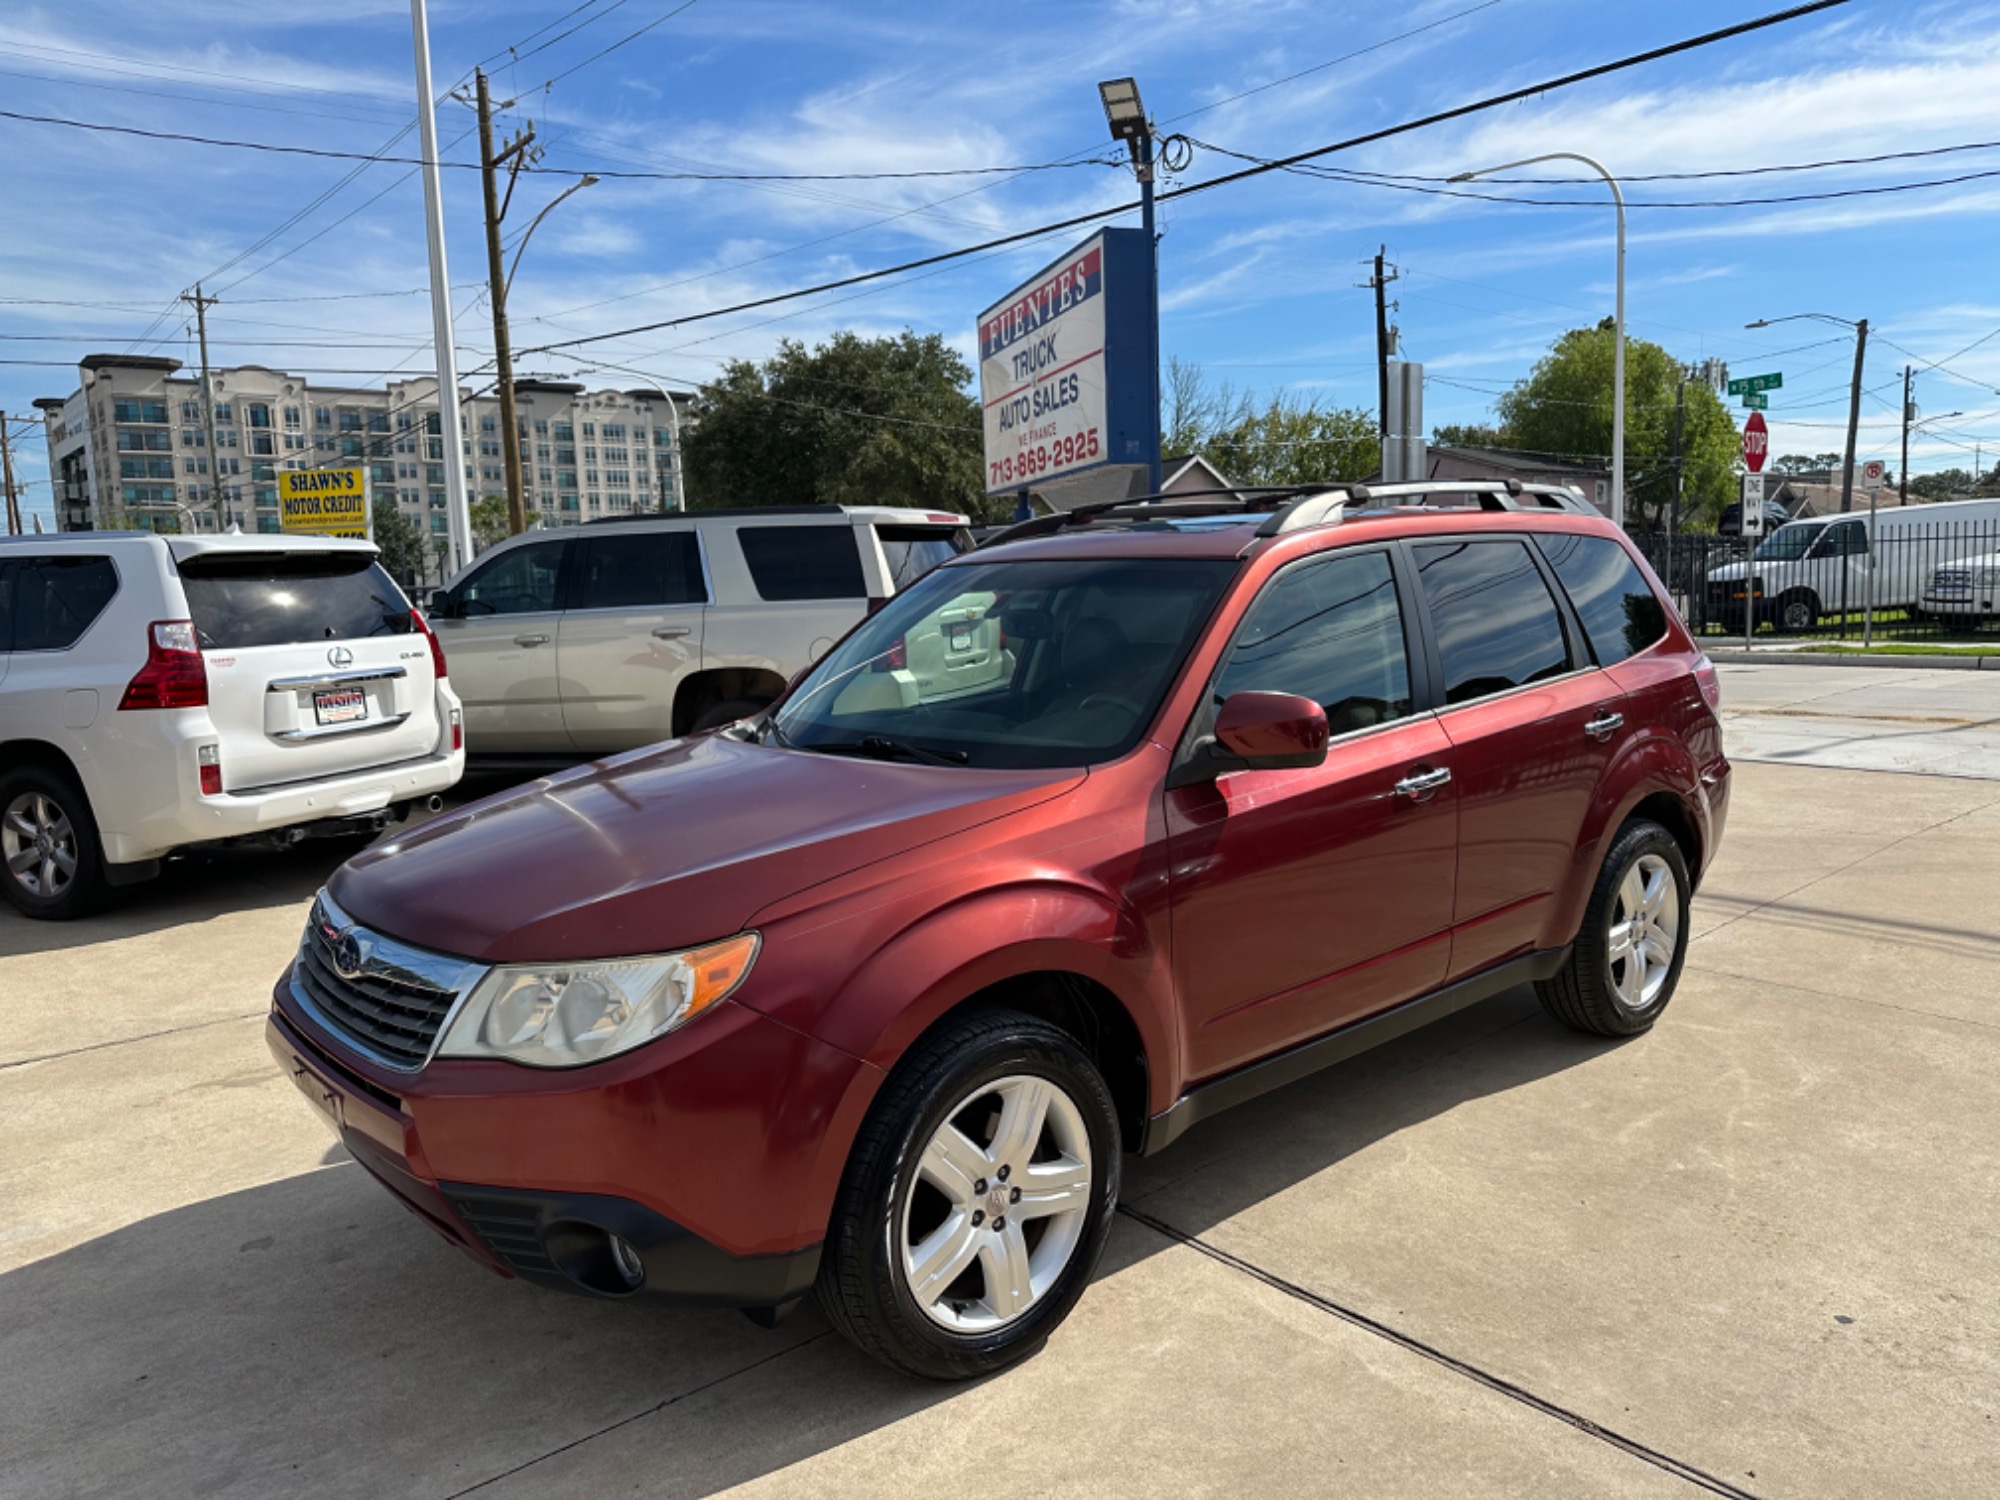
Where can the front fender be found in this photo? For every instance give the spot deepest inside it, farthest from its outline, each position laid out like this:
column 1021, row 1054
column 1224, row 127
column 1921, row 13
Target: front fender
column 1647, row 764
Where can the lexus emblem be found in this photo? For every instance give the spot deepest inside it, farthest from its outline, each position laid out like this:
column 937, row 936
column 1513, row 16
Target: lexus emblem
column 340, row 656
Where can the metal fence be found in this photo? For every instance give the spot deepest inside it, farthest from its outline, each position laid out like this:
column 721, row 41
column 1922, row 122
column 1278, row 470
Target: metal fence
column 1936, row 581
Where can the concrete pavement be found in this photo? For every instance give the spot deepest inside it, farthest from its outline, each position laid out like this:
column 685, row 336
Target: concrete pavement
column 1864, row 717
column 1749, row 1253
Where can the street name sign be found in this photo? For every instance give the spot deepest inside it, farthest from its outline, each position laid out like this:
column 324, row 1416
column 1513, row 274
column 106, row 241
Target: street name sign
column 326, row 502
column 1064, row 377
column 1756, row 401
column 1756, row 443
column 1756, row 383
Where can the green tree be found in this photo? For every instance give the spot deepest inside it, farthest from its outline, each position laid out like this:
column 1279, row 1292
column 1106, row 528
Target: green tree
column 1294, row 441
column 856, row 421
column 1945, row 484
column 490, row 523
column 401, row 542
column 1563, row 409
column 1470, row 435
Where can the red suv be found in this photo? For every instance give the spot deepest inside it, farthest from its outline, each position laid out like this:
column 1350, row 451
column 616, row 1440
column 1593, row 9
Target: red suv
column 1133, row 815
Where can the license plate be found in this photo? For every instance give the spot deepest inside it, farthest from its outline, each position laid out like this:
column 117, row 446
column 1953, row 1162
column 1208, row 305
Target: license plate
column 340, row 705
column 322, row 1095
column 960, row 635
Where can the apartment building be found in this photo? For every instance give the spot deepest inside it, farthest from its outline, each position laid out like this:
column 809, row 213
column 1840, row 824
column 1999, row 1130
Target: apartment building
column 129, row 448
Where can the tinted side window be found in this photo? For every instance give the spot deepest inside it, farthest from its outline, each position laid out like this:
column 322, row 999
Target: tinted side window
column 912, row 551
column 803, row 562
column 1331, row 631
column 56, row 599
column 1620, row 612
column 519, row 583
column 1496, row 623
column 634, row 572
column 243, row 599
column 6, row 605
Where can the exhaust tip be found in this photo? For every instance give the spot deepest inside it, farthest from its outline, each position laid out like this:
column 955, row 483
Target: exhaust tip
column 433, row 803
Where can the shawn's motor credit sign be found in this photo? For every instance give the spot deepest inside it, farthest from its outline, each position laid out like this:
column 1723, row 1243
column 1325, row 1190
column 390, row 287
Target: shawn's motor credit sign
column 1062, row 365
column 331, row 502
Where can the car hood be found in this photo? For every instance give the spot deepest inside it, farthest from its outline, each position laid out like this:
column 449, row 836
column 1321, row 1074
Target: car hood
column 661, row 849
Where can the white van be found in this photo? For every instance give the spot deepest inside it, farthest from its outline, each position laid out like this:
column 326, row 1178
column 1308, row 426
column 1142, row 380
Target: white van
column 1819, row 566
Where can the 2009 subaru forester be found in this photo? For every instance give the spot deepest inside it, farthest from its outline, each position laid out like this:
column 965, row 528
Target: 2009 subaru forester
column 867, row 995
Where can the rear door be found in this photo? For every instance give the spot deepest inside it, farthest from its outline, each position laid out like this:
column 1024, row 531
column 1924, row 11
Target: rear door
column 315, row 666
column 785, row 592
column 631, row 629
column 1533, row 723
column 499, row 635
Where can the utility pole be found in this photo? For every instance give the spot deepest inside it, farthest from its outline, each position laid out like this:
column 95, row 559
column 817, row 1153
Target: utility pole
column 1680, row 420
column 1853, row 417
column 7, row 471
column 1385, row 337
column 201, row 306
column 1902, row 473
column 503, row 352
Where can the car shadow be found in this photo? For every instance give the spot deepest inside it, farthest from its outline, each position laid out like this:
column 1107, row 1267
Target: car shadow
column 309, row 1336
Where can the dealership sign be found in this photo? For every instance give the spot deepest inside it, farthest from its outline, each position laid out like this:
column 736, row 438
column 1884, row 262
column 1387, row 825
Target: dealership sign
column 329, row 502
column 1063, row 379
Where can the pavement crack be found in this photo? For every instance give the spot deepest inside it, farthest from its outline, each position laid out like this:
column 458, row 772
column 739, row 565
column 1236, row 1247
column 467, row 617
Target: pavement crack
column 640, row 1416
column 1498, row 1384
column 22, row 1062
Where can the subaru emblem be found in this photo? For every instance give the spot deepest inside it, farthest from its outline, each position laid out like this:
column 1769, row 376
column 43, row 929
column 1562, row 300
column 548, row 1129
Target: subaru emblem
column 350, row 955
column 340, row 656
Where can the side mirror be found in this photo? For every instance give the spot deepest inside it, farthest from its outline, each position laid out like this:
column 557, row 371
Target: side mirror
column 1271, row 731
column 440, row 604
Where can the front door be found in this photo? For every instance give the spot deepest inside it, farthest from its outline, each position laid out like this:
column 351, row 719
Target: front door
column 499, row 639
column 1533, row 725
column 1306, row 899
column 631, row 629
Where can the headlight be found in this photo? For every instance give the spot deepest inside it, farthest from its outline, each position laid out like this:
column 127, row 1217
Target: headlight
column 559, row 1015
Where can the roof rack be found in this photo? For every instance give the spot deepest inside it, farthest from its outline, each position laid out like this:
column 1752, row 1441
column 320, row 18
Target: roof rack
column 728, row 510
column 1330, row 506
column 1142, row 507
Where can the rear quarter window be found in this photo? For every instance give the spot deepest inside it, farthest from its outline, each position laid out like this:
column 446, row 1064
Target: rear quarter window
column 55, row 600
column 912, row 551
column 803, row 562
column 1620, row 612
column 287, row 599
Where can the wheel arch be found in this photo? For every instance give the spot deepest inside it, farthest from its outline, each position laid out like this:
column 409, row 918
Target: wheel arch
column 1654, row 772
column 33, row 752
column 699, row 691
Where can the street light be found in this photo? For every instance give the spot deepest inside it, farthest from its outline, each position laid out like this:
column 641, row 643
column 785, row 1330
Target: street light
column 1854, row 395
column 673, row 425
column 587, row 180
column 1618, row 351
column 1127, row 119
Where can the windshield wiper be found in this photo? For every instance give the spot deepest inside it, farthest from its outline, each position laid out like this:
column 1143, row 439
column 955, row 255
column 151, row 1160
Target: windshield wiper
column 881, row 747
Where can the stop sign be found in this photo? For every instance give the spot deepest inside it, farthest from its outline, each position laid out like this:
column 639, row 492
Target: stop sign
column 1756, row 443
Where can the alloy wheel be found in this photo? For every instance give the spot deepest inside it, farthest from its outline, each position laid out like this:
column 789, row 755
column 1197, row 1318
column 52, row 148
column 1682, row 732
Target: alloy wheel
column 1000, row 1201
column 1645, row 932
column 38, row 845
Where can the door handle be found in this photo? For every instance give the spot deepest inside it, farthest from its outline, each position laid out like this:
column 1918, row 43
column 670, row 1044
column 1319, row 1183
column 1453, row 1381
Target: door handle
column 1604, row 725
column 671, row 632
column 531, row 640
column 1421, row 784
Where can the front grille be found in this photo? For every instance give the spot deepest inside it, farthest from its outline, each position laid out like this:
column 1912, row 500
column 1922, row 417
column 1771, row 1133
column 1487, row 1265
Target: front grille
column 512, row 1231
column 386, row 999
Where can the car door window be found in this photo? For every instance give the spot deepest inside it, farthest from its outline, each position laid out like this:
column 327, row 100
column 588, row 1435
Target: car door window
column 803, row 562
column 638, row 572
column 6, row 606
column 1621, row 614
column 56, row 599
column 1496, row 623
column 521, row 582
column 1331, row 630
column 1847, row 539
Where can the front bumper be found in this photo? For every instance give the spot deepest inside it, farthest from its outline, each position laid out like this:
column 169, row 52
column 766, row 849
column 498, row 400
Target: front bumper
column 713, row 1153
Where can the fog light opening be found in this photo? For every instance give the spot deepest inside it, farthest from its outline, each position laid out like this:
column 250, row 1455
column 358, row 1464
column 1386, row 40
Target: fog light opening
column 628, row 1263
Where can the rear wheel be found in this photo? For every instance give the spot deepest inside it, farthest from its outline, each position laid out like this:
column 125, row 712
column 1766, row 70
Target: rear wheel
column 728, row 712
column 50, row 863
column 1627, row 958
column 977, row 1201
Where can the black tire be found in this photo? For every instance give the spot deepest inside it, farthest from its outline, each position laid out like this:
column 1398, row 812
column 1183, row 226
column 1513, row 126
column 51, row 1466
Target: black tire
column 1796, row 613
column 79, row 891
column 862, row 1285
column 1584, row 995
column 728, row 712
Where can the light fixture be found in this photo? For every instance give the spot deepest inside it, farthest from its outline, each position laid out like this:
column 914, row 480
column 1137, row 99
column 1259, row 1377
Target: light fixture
column 1122, row 109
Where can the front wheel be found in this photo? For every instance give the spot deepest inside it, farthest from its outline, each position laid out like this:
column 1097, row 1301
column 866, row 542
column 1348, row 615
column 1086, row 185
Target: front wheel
column 1798, row 614
column 1627, row 958
column 977, row 1200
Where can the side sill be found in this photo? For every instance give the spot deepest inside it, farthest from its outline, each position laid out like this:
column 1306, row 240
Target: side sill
column 1274, row 1072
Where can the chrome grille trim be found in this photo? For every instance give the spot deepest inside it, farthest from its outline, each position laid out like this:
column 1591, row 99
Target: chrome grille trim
column 385, row 1000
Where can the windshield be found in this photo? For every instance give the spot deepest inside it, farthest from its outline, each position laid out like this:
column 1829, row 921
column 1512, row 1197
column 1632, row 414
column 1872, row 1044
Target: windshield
column 1032, row 663
column 1789, row 541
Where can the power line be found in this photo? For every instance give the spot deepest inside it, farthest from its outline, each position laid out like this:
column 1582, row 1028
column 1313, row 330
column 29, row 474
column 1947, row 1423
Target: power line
column 1367, row 138
column 607, row 51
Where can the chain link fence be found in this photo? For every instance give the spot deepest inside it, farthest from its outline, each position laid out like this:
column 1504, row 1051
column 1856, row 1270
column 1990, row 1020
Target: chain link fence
column 1935, row 581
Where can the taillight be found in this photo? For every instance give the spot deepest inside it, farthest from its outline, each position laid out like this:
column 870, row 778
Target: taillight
column 174, row 676
column 1710, row 684
column 437, row 647
column 897, row 657
column 209, row 759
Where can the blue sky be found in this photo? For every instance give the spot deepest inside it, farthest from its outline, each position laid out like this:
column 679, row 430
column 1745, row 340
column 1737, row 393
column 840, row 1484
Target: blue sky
column 1259, row 281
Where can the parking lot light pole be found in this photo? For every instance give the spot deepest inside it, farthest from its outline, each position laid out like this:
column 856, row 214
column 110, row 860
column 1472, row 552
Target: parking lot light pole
column 1127, row 118
column 1618, row 322
column 1854, row 393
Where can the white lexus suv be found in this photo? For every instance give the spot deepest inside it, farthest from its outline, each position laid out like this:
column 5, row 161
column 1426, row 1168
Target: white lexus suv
column 161, row 692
